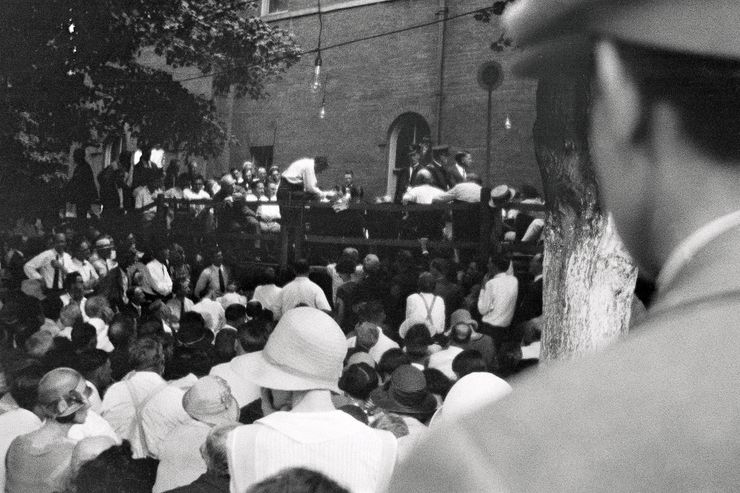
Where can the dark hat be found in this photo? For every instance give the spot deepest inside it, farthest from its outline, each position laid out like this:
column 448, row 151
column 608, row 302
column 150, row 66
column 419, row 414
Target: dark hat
column 558, row 32
column 407, row 394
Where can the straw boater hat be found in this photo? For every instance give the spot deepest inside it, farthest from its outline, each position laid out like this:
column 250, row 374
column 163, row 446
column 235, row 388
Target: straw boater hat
column 210, row 400
column 305, row 352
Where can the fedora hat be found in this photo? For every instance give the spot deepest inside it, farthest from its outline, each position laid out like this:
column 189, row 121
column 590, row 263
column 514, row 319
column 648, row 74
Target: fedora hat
column 462, row 316
column 407, row 394
column 62, row 392
column 403, row 329
column 305, row 352
column 210, row 400
column 558, row 33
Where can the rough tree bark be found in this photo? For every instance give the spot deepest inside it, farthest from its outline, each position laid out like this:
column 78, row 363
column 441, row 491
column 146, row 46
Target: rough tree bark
column 589, row 278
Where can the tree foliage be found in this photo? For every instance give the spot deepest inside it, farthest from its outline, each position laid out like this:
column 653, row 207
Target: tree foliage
column 69, row 70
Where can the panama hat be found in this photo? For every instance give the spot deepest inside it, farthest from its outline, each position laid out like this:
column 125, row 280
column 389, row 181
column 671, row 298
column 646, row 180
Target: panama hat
column 62, row 392
column 305, row 352
column 210, row 400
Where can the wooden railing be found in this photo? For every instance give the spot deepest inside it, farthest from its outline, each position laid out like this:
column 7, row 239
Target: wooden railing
column 359, row 224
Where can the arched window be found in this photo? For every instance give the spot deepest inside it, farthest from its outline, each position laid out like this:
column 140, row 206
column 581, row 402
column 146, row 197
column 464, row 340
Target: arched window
column 406, row 130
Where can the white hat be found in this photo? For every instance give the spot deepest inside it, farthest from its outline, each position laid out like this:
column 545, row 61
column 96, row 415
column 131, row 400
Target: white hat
column 305, row 352
column 210, row 400
column 470, row 393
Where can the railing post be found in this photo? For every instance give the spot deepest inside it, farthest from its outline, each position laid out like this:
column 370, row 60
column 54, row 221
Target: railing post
column 487, row 219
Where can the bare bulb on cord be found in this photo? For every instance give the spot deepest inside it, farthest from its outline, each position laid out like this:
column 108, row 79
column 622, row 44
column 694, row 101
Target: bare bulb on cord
column 507, row 123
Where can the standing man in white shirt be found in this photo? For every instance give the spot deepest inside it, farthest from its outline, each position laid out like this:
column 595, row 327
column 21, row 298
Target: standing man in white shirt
column 268, row 294
column 214, row 278
column 497, row 299
column 158, row 281
column 303, row 291
column 51, row 266
column 298, row 184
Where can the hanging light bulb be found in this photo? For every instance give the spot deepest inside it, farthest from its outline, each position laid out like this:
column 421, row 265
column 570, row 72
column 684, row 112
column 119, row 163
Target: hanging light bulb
column 316, row 82
column 507, row 122
column 322, row 111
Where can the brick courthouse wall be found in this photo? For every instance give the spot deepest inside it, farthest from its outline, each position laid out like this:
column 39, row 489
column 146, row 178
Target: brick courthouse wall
column 371, row 83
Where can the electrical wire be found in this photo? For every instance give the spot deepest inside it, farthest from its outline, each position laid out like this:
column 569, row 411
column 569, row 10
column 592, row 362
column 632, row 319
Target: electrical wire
column 324, row 48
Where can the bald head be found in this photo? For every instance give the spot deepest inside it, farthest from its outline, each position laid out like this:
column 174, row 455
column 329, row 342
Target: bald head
column 371, row 263
column 423, row 177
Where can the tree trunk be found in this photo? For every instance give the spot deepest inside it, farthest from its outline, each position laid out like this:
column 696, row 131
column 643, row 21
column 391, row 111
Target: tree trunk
column 588, row 276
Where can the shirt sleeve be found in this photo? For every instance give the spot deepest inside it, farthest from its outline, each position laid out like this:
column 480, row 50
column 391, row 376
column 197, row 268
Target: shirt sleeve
column 309, row 178
column 321, row 302
column 31, row 268
column 202, row 282
column 485, row 299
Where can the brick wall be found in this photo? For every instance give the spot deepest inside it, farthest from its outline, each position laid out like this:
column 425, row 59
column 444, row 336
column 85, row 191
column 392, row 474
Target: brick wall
column 369, row 84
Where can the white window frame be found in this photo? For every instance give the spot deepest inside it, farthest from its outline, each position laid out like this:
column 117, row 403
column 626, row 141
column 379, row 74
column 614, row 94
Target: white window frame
column 266, row 8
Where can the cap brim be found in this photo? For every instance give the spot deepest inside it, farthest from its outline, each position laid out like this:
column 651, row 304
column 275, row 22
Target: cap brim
column 258, row 370
column 384, row 401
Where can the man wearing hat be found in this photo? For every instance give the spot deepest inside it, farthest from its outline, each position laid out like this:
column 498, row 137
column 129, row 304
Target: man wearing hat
column 298, row 370
column 40, row 461
column 664, row 131
column 438, row 166
column 405, row 175
column 209, row 403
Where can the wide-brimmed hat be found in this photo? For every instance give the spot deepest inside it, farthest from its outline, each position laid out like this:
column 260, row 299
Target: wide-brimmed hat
column 62, row 392
column 462, row 316
column 557, row 35
column 210, row 400
column 305, row 352
column 406, row 394
column 470, row 393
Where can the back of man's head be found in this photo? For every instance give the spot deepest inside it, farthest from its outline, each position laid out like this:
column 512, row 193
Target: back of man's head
column 423, row 177
column 252, row 335
column 301, row 267
column 235, row 313
column 215, row 451
column 146, row 354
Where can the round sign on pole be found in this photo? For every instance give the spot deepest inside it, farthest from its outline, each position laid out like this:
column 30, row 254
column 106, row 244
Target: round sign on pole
column 490, row 75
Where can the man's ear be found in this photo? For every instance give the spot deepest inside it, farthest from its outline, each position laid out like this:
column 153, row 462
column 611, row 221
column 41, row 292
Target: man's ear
column 618, row 92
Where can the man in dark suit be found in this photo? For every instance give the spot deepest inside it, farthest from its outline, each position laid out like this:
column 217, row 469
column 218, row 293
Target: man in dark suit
column 457, row 172
column 438, row 166
column 405, row 175
column 659, row 410
column 81, row 189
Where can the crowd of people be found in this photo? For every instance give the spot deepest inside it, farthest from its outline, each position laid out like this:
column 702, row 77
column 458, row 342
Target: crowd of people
column 130, row 366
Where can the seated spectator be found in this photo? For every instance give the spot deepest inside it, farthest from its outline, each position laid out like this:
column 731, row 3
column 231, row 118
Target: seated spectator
column 268, row 293
column 438, row 384
column 408, row 396
column 463, row 333
column 212, row 312
column 214, row 453
column 468, row 361
column 83, row 336
column 22, row 419
column 143, row 408
column 369, row 337
column 180, row 303
column 302, row 291
column 114, row 470
column 298, row 369
column 214, row 278
column 81, row 263
column 252, row 337
column 225, row 346
column 469, row 394
column 232, row 296
column 145, row 196
column 357, row 382
column 297, row 480
column 417, row 344
column 40, row 461
column 94, row 365
column 442, row 360
column 391, row 359
column 209, row 403
column 425, row 305
column 158, row 283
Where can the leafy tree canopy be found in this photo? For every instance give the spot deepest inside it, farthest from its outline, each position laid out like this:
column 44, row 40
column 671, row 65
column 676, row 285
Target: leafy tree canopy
column 69, row 70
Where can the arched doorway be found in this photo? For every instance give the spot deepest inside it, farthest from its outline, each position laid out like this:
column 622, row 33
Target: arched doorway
column 407, row 129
